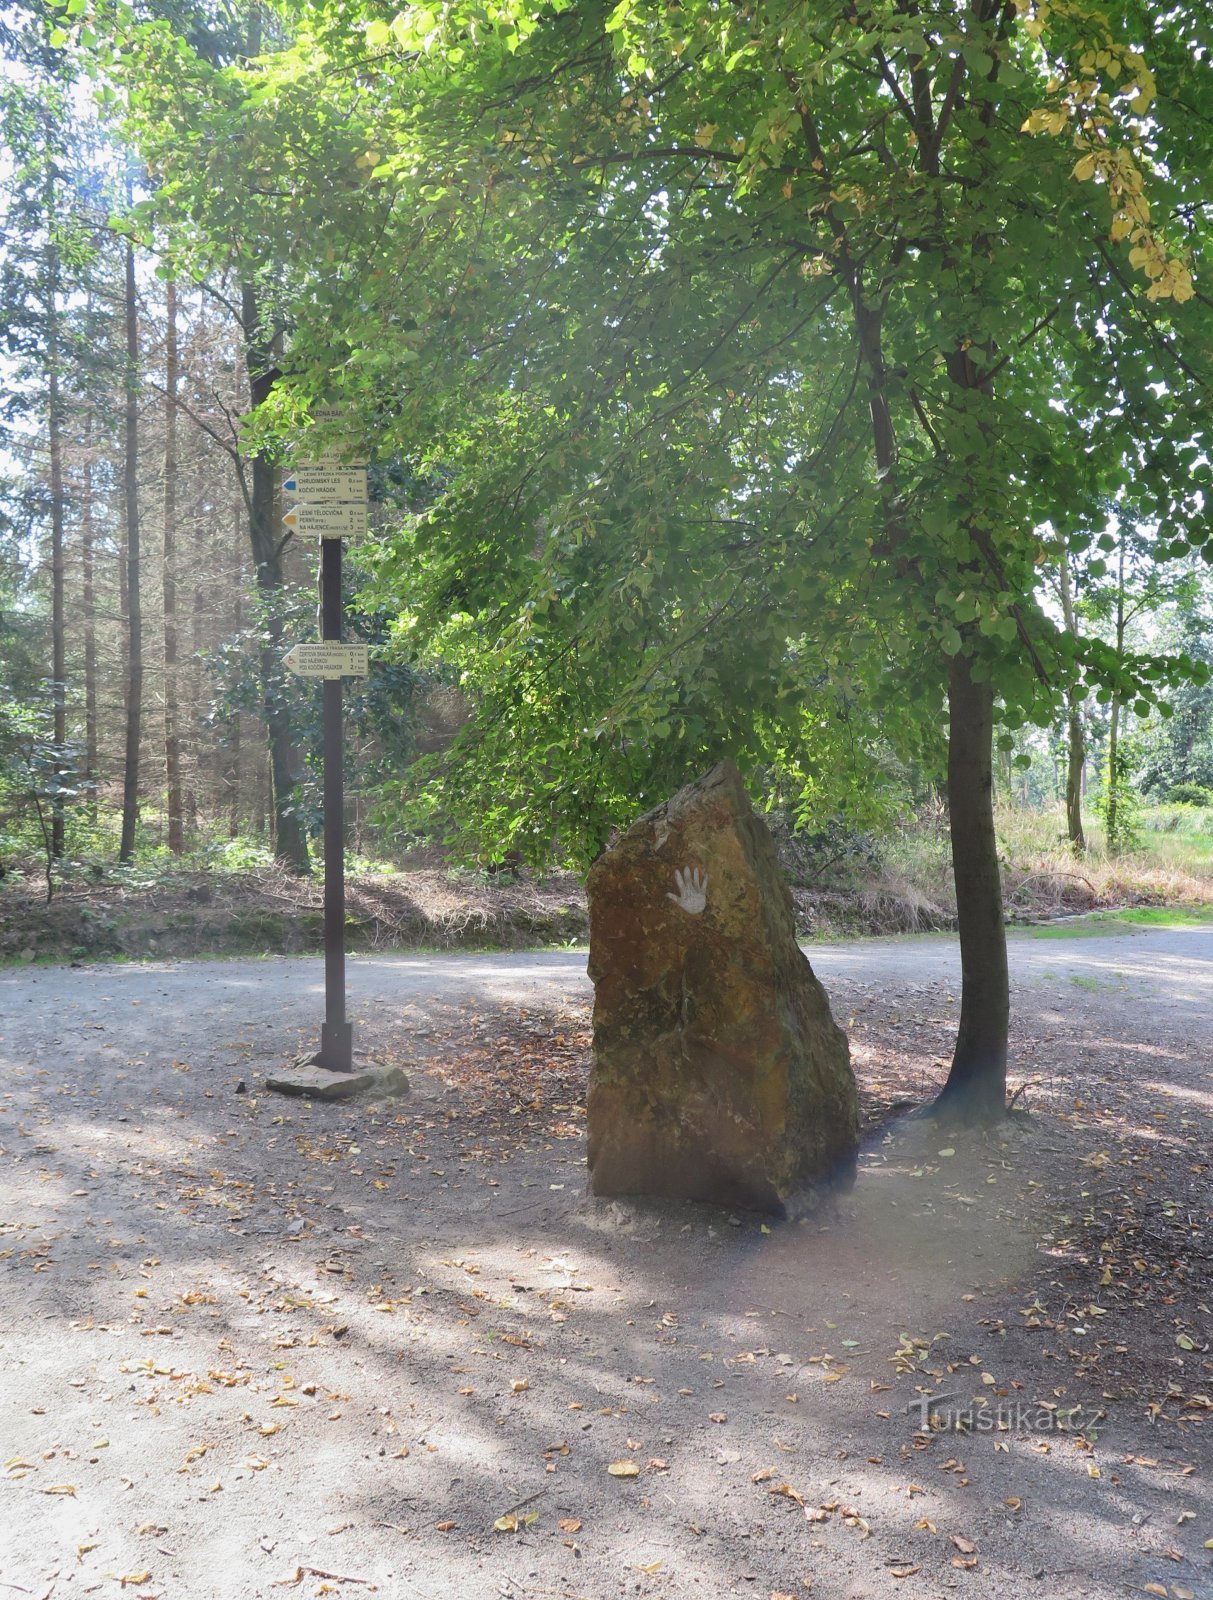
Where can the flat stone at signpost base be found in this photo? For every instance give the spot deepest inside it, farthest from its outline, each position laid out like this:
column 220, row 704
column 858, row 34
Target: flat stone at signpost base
column 719, row 1073
column 306, row 1079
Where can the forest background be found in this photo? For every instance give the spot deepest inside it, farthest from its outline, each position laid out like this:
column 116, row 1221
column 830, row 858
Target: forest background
column 711, row 411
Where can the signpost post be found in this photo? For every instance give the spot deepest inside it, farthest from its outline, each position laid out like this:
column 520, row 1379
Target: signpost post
column 333, row 506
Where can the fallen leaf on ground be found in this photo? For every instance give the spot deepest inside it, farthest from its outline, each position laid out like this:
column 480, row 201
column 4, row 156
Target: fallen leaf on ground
column 624, row 1469
column 965, row 1546
column 787, row 1491
column 905, row 1572
column 569, row 1524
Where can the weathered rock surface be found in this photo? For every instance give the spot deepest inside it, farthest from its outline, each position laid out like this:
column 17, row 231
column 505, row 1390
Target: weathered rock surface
column 719, row 1073
column 313, row 1082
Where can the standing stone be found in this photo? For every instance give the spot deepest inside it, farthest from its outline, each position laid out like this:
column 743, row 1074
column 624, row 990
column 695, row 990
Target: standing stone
column 719, row 1073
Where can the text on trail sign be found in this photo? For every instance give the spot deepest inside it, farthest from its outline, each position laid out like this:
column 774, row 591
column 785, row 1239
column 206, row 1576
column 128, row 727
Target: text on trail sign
column 327, row 483
column 328, row 660
column 343, row 519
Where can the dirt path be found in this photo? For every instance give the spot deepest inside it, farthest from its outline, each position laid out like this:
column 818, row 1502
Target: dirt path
column 253, row 1347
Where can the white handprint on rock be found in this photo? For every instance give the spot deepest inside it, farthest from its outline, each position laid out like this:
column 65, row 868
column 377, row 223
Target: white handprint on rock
column 692, row 893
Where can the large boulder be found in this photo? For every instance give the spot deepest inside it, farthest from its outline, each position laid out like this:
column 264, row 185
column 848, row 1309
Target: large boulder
column 719, row 1073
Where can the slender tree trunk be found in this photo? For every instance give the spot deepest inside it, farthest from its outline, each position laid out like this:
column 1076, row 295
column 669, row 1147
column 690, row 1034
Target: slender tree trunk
column 290, row 839
column 172, row 737
column 1112, row 803
column 88, row 541
column 234, row 752
column 976, row 1085
column 1076, row 751
column 58, row 625
column 130, row 489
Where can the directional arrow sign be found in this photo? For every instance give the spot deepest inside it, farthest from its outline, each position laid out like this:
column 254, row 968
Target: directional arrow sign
column 328, row 483
column 328, row 660
column 341, row 520
column 333, row 459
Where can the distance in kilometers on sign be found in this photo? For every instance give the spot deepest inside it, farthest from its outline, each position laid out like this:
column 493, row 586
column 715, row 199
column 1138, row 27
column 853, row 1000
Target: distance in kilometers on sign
column 328, row 660
column 341, row 520
column 327, row 483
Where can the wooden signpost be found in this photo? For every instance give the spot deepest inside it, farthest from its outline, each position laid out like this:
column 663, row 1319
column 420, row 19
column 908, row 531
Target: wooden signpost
column 341, row 520
column 333, row 507
column 327, row 660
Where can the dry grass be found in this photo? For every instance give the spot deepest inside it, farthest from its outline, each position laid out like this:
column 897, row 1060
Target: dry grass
column 911, row 889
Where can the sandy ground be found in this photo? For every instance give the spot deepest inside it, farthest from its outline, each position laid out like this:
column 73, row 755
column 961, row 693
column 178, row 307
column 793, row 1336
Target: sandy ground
column 255, row 1347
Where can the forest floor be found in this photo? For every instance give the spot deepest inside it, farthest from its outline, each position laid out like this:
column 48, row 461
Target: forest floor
column 259, row 1347
column 159, row 910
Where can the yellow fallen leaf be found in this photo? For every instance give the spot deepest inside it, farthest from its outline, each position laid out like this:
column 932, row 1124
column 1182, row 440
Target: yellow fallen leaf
column 60, row 1488
column 519, row 1385
column 1093, row 1471
column 401, row 1453
column 1155, row 1588
column 445, row 1527
column 624, row 1469
column 569, row 1524
column 1012, row 1502
column 1184, row 1342
column 268, row 1428
column 83, row 1549
column 134, row 1578
column 787, row 1491
column 905, row 1572
column 965, row 1546
column 508, row 1523
column 653, row 1566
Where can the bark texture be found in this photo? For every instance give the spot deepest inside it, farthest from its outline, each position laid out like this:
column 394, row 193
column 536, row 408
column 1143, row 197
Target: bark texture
column 977, row 1082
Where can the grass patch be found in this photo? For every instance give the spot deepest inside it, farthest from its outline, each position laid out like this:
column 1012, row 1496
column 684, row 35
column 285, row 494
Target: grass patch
column 1099, row 924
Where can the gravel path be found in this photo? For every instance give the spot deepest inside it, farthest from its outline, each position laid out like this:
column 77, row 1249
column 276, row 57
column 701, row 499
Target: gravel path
column 255, row 1347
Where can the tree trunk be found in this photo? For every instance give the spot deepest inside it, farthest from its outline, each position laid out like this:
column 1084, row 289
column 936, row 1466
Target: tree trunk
column 58, row 625
column 290, row 839
column 172, row 737
column 130, row 487
column 1112, row 823
column 1075, row 742
column 977, row 1084
column 89, row 607
column 233, row 765
column 1112, row 801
